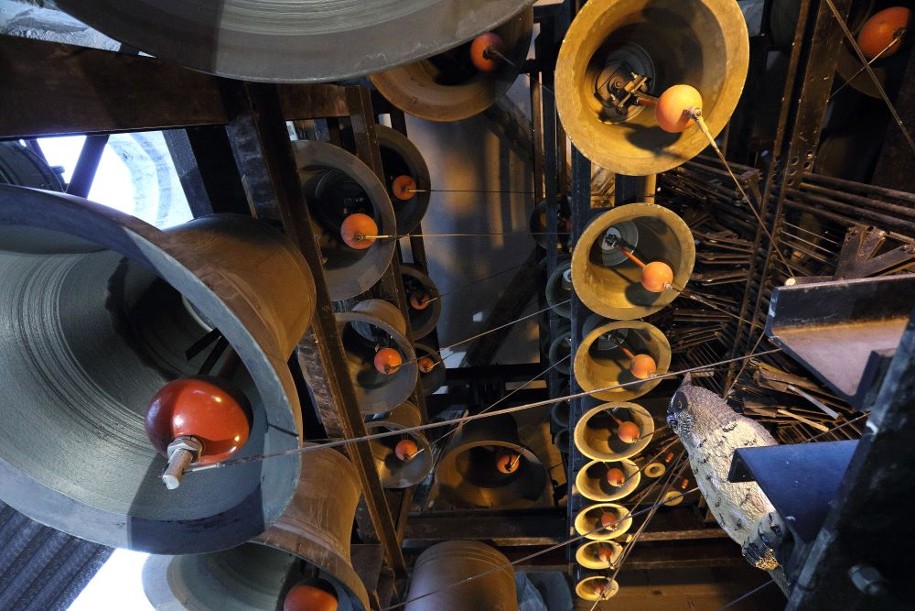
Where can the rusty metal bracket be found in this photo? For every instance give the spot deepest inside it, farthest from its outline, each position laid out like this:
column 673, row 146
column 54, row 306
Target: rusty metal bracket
column 859, row 259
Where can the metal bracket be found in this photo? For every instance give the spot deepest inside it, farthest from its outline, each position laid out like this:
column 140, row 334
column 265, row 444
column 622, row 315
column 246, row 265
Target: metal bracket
column 859, row 258
column 843, row 331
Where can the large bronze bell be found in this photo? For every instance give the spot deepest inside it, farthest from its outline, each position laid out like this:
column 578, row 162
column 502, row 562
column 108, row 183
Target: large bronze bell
column 448, row 87
column 310, row 541
column 609, row 282
column 441, row 573
column 615, row 48
column 100, row 310
column 402, row 460
column 485, row 465
column 371, row 326
column 604, row 359
column 337, row 184
column 600, row 433
column 304, row 41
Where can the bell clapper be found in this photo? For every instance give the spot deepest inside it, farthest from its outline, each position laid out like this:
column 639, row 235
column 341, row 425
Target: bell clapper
column 615, row 477
column 306, row 597
column 406, row 450
column 387, row 361
column 508, row 462
column 657, row 276
column 404, row 188
column 425, row 364
column 486, row 52
column 189, row 410
column 641, row 365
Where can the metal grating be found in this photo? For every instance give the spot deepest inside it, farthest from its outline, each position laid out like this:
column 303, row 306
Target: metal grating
column 43, row 569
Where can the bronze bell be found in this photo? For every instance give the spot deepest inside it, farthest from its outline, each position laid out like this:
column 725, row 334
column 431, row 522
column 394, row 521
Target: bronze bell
column 423, row 305
column 485, row 465
column 560, row 351
column 598, row 555
column 448, row 87
column 101, row 311
column 293, row 42
column 338, row 184
column 310, row 542
column 405, row 170
column 613, row 431
column 559, row 289
column 620, row 360
column 617, row 49
column 431, row 368
column 608, row 481
column 603, row 521
column 443, row 565
column 371, row 326
column 611, row 282
column 596, row 587
column 402, row 460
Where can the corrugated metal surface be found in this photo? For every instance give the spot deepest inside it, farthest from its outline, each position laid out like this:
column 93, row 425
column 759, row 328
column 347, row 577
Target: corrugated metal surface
column 41, row 568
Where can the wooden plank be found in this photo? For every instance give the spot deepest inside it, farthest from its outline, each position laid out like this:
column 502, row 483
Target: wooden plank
column 51, row 89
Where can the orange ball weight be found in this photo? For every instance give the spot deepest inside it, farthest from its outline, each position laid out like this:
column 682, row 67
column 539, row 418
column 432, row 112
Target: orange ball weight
column 615, row 477
column 305, row 597
column 480, row 52
column 508, row 463
column 402, row 187
column 642, row 366
column 405, row 449
column 608, row 520
column 387, row 361
column 878, row 32
column 657, row 276
column 420, row 300
column 202, row 407
column 425, row 364
column 628, row 432
column 672, row 110
column 355, row 228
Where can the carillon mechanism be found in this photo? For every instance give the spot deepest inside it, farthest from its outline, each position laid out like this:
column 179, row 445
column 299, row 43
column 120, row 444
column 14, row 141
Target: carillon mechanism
column 472, row 310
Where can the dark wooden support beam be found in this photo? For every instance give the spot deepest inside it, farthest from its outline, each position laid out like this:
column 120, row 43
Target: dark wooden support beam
column 265, row 158
column 81, row 91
